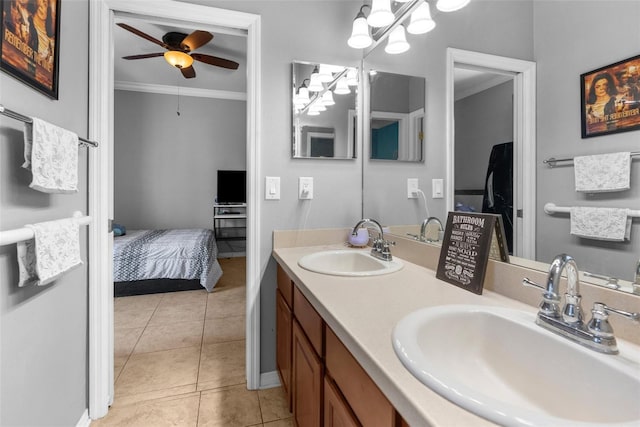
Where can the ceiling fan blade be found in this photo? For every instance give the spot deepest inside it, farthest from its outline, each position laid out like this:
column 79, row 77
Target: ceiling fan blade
column 143, row 56
column 188, row 72
column 195, row 40
column 141, row 34
column 214, row 60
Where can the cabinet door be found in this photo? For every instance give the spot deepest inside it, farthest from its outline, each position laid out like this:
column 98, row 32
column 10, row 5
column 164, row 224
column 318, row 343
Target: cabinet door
column 336, row 410
column 306, row 381
column 283, row 343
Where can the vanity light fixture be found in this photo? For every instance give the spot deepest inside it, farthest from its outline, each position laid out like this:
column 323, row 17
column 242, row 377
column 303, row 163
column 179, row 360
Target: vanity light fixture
column 386, row 21
column 421, row 21
column 381, row 14
column 302, row 97
column 342, row 88
column 325, row 75
column 397, row 42
column 451, row 5
column 315, row 85
column 327, row 98
column 352, row 77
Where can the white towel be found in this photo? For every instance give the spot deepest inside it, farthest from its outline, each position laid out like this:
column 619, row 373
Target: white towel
column 51, row 154
column 603, row 172
column 612, row 224
column 53, row 251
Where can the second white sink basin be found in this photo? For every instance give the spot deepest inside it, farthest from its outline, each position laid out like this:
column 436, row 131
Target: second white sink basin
column 348, row 262
column 500, row 365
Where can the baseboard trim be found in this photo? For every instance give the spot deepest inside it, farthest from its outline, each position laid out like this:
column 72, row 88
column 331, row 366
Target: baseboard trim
column 84, row 420
column 269, row 380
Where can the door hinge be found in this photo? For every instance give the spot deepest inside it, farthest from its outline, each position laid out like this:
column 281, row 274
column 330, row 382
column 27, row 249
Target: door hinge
column 519, row 213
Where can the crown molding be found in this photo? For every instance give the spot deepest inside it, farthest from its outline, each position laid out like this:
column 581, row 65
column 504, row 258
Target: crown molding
column 177, row 90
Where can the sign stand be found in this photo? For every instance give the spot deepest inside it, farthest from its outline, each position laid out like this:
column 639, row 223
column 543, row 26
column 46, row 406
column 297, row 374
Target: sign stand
column 470, row 239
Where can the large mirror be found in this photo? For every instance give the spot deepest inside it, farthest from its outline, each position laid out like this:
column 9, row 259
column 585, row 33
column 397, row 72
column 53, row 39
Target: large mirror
column 396, row 125
column 323, row 110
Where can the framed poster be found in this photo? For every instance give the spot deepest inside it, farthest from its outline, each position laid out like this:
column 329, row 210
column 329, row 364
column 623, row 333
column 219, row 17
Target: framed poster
column 470, row 239
column 610, row 98
column 29, row 47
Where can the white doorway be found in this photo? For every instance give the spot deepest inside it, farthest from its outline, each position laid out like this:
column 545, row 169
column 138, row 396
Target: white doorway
column 101, row 178
column 524, row 141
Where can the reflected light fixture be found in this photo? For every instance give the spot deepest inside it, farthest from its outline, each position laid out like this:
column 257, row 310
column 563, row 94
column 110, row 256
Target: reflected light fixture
column 178, row 59
column 341, row 87
column 315, row 85
column 360, row 34
column 352, row 77
column 325, row 75
column 421, row 21
column 381, row 14
column 327, row 98
column 451, row 5
column 397, row 42
column 303, row 94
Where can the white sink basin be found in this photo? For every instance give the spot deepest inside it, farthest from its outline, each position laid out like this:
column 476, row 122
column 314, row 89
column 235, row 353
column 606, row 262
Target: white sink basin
column 500, row 365
column 348, row 262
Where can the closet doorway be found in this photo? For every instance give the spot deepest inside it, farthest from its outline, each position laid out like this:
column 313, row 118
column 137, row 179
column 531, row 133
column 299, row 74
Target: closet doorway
column 101, row 204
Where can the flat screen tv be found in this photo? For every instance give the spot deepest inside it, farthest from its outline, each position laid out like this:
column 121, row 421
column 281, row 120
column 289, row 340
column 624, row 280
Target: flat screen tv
column 232, row 187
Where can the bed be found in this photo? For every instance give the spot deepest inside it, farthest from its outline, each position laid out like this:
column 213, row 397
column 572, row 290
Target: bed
column 149, row 261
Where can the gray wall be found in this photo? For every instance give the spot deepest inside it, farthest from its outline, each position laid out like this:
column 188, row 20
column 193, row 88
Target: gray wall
column 43, row 330
column 481, row 120
column 166, row 165
column 562, row 53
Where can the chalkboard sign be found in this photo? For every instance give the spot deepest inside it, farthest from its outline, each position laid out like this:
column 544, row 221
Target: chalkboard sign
column 469, row 239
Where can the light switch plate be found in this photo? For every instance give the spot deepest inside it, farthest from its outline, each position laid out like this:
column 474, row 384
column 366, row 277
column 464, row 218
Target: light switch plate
column 305, row 188
column 412, row 188
column 272, row 188
column 437, row 188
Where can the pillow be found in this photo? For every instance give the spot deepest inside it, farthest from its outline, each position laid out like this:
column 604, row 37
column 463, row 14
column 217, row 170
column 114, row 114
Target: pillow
column 119, row 230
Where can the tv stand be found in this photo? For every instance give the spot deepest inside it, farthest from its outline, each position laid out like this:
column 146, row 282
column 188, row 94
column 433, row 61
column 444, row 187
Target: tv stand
column 230, row 221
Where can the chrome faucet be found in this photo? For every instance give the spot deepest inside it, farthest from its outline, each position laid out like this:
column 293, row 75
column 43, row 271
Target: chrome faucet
column 423, row 228
column 598, row 334
column 381, row 247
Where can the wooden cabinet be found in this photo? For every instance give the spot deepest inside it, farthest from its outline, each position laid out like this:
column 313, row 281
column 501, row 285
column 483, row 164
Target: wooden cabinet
column 306, row 381
column 336, row 409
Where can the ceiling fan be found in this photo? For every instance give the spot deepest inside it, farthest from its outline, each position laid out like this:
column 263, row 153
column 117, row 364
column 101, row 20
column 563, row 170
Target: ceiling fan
column 179, row 48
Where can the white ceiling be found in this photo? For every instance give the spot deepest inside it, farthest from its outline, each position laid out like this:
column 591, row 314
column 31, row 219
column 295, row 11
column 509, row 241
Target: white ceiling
column 226, row 43
column 471, row 81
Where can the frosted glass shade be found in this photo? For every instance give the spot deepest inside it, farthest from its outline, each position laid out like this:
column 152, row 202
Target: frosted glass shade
column 352, row 77
column 451, row 5
column 303, row 95
column 381, row 14
column 397, row 42
column 342, row 88
column 327, row 98
column 360, row 36
column 178, row 59
column 314, row 83
column 421, row 21
column 325, row 75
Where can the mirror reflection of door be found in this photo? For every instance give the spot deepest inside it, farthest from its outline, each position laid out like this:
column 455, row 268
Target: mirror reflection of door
column 484, row 135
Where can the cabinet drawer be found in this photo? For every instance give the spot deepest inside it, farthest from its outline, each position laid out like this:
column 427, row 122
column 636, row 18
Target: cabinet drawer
column 285, row 285
column 363, row 396
column 309, row 320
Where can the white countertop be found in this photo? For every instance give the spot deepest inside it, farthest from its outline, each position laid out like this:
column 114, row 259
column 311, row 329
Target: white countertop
column 363, row 311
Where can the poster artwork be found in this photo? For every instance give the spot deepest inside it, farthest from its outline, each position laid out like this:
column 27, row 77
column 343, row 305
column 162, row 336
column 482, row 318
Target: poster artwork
column 29, row 42
column 611, row 98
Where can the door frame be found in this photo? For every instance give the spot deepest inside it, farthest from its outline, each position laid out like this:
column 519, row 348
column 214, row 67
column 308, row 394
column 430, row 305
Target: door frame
column 101, row 101
column 524, row 138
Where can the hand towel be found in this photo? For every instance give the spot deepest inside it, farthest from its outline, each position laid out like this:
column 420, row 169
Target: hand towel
column 601, row 223
column 603, row 172
column 51, row 154
column 54, row 250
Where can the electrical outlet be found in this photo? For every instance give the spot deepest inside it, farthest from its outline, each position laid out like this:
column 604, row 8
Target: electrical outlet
column 412, row 188
column 272, row 188
column 305, row 188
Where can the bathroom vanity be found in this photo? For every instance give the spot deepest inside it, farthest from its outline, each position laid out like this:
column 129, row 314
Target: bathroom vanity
column 334, row 334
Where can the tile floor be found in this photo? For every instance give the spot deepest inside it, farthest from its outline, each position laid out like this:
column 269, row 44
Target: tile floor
column 180, row 360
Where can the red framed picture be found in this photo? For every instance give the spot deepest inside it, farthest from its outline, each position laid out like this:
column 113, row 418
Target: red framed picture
column 610, row 98
column 29, row 48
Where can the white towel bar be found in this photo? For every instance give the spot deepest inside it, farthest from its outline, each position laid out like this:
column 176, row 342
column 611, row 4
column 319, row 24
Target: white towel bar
column 551, row 208
column 19, row 234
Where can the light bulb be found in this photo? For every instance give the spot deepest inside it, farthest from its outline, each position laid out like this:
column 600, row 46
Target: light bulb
column 360, row 36
column 397, row 42
column 421, row 21
column 381, row 14
column 451, row 5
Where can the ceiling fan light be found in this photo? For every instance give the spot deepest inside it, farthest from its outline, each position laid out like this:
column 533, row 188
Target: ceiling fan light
column 352, row 77
column 178, row 59
column 397, row 42
column 342, row 88
column 381, row 14
column 451, row 5
column 421, row 21
column 360, row 35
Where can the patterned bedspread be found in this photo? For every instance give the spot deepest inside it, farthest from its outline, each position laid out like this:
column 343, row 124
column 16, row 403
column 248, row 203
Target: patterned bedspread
column 167, row 254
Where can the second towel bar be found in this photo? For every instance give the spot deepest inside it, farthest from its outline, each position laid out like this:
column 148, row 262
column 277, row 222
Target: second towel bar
column 551, row 208
column 19, row 234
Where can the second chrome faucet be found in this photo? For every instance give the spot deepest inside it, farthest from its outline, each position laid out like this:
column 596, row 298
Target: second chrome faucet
column 381, row 247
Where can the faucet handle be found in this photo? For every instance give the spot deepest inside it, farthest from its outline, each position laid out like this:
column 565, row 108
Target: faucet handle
column 599, row 323
column 550, row 300
column 612, row 282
